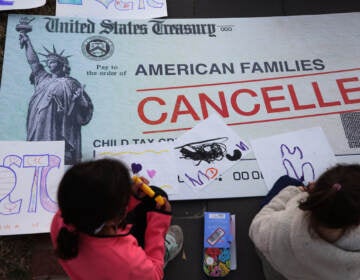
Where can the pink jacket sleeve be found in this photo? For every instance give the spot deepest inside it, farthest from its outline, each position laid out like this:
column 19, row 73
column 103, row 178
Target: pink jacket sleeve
column 157, row 226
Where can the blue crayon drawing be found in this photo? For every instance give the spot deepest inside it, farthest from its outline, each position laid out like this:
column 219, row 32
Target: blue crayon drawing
column 6, row 3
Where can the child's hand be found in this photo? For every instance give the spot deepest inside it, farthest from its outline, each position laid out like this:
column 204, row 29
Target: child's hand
column 166, row 207
column 310, row 187
column 307, row 188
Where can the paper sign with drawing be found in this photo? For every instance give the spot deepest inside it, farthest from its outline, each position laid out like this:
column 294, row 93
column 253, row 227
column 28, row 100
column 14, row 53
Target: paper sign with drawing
column 142, row 9
column 155, row 162
column 29, row 176
column 197, row 158
column 302, row 154
column 207, row 151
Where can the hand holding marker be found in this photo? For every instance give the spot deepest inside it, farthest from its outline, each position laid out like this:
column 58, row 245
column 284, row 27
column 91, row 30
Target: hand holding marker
column 148, row 191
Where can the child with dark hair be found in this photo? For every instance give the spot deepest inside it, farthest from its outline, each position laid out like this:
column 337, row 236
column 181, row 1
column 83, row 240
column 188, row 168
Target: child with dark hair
column 312, row 232
column 103, row 217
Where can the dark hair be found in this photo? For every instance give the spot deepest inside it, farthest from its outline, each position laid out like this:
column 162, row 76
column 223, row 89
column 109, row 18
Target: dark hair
column 90, row 193
column 334, row 201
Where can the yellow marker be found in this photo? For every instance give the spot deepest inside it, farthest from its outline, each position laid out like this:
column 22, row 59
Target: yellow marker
column 148, row 191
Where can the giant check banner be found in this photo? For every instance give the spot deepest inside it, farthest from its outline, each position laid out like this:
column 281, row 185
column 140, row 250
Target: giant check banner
column 95, row 83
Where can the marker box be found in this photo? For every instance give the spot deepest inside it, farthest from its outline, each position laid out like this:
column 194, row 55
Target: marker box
column 218, row 239
column 217, row 230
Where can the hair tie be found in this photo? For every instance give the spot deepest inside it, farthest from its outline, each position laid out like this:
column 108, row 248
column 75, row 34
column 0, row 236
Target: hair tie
column 97, row 230
column 336, row 187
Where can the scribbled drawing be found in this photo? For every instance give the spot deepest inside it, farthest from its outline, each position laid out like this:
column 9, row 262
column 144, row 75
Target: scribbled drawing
column 292, row 152
column 291, row 171
column 307, row 170
column 212, row 172
column 243, row 146
column 200, row 151
column 202, row 177
column 200, row 180
column 237, row 155
column 208, row 150
column 8, row 181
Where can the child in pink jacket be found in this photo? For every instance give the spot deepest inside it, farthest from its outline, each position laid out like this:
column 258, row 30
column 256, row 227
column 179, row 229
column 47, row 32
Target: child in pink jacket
column 101, row 222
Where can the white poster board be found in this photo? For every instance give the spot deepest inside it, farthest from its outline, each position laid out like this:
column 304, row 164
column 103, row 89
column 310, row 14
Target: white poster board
column 29, row 176
column 155, row 162
column 303, row 155
column 198, row 158
column 207, row 151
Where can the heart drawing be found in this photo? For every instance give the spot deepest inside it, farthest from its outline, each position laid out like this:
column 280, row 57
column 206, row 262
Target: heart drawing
column 136, row 167
column 151, row 173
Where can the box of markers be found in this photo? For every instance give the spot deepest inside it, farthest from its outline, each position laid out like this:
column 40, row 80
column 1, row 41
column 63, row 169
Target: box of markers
column 217, row 243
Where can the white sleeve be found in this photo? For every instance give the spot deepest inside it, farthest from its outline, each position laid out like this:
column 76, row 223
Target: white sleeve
column 265, row 223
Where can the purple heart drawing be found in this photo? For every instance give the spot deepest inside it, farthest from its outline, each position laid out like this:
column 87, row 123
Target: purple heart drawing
column 151, row 173
column 136, row 167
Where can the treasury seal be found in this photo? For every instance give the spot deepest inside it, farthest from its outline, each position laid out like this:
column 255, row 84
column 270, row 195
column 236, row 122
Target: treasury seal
column 97, row 48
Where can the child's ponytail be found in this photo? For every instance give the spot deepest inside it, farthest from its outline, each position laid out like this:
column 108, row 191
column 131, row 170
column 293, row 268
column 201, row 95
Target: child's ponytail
column 334, row 201
column 67, row 244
